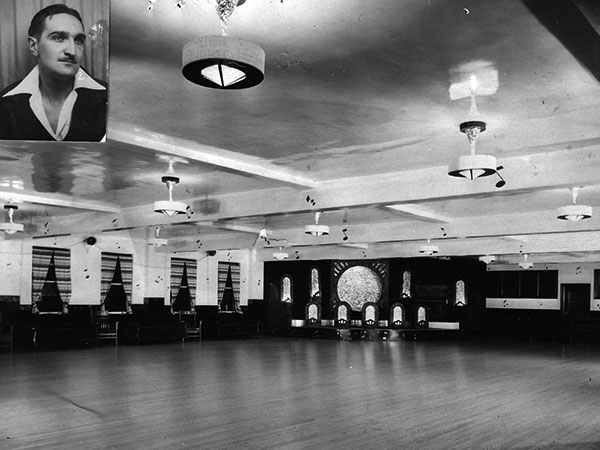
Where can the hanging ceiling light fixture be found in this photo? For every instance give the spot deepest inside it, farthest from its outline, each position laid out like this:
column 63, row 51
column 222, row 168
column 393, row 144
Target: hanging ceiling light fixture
column 574, row 212
column 525, row 264
column 280, row 255
column 488, row 259
column 170, row 207
column 157, row 241
column 10, row 227
column 222, row 62
column 473, row 166
column 429, row 249
column 263, row 235
column 316, row 229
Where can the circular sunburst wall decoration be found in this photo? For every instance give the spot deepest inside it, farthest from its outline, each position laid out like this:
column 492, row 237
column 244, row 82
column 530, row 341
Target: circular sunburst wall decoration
column 359, row 285
column 359, row 282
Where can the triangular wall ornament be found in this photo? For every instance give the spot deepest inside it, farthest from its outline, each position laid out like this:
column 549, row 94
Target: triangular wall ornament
column 183, row 301
column 116, row 298
column 50, row 299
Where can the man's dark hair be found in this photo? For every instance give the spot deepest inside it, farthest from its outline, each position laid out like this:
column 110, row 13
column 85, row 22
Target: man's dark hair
column 37, row 23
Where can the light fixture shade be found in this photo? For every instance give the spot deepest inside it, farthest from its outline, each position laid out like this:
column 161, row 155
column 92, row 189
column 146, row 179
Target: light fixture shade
column 222, row 62
column 11, row 228
column 170, row 208
column 317, row 230
column 473, row 166
column 157, row 242
column 525, row 264
column 280, row 255
column 429, row 249
column 574, row 213
column 488, row 259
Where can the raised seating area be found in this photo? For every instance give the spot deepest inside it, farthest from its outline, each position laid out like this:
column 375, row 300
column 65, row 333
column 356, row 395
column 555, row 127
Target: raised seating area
column 107, row 328
column 32, row 331
column 89, row 325
column 150, row 326
column 193, row 326
column 227, row 325
column 233, row 325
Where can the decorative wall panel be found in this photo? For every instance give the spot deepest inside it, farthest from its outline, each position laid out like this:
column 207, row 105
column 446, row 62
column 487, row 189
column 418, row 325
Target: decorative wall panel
column 360, row 282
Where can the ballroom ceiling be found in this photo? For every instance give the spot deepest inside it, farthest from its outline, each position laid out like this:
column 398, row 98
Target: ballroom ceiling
column 357, row 118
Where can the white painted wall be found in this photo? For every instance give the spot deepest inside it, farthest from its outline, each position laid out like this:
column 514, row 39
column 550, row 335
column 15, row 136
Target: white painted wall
column 255, row 275
column 151, row 273
column 11, row 267
column 151, row 269
column 523, row 303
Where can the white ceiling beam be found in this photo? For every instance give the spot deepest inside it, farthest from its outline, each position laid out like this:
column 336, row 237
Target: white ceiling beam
column 533, row 172
column 495, row 228
column 60, row 200
column 239, row 228
column 418, row 212
column 576, row 167
column 524, row 174
column 538, row 250
column 515, row 238
column 132, row 135
column 361, row 246
column 226, row 241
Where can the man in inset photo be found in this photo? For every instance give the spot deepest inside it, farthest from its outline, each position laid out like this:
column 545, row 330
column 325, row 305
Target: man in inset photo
column 57, row 100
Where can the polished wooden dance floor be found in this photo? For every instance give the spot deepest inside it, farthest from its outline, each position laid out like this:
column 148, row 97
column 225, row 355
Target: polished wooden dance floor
column 285, row 393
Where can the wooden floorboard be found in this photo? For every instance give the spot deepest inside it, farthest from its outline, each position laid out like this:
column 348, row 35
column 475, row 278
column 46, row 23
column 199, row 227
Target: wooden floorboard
column 285, row 393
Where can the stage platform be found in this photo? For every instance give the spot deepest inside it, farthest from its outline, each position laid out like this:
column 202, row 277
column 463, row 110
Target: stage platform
column 366, row 334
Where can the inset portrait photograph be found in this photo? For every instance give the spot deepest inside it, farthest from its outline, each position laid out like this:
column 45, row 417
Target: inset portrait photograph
column 54, row 70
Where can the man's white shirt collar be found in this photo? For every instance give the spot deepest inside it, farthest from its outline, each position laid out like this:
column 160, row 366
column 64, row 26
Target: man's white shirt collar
column 31, row 85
